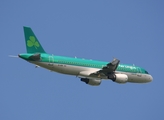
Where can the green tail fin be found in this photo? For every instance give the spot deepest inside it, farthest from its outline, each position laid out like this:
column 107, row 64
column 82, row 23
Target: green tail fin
column 32, row 43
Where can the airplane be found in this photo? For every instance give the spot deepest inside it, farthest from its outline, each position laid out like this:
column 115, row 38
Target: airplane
column 92, row 72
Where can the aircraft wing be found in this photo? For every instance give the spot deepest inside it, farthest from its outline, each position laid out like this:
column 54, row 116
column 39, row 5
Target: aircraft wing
column 108, row 69
column 94, row 77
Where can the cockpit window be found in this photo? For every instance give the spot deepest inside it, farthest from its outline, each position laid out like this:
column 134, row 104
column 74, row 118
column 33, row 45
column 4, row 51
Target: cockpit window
column 146, row 72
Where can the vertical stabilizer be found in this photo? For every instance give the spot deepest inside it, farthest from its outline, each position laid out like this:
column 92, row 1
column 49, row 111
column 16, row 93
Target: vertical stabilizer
column 32, row 43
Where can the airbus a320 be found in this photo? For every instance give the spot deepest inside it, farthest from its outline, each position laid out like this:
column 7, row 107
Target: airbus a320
column 92, row 72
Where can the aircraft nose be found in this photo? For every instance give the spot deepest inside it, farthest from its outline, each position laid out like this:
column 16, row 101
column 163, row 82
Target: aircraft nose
column 150, row 78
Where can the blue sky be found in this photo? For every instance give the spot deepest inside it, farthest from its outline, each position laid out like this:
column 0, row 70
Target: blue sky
column 132, row 31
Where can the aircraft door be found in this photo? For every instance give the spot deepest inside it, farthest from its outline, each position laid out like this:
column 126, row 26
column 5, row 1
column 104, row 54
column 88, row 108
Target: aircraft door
column 51, row 60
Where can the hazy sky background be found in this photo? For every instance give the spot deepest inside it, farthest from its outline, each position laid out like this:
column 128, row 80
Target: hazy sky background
column 130, row 30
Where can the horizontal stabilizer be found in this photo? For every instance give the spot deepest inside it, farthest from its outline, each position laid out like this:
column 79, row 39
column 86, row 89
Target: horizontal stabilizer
column 35, row 57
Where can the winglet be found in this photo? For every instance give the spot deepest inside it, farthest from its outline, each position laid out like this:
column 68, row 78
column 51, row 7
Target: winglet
column 113, row 64
column 115, row 61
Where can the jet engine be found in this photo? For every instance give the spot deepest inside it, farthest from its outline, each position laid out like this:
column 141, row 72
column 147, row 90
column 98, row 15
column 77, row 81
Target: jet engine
column 119, row 78
column 93, row 82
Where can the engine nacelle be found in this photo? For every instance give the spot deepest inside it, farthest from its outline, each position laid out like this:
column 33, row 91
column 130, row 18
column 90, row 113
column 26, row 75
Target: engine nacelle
column 120, row 78
column 93, row 82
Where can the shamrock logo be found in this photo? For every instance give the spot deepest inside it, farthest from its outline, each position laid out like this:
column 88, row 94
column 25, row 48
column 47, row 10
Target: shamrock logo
column 32, row 42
